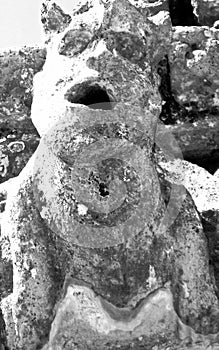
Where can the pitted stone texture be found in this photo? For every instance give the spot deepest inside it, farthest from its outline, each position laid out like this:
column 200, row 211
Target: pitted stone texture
column 101, row 62
column 74, row 42
column 24, row 250
column 42, row 261
column 18, row 137
column 105, row 330
column 204, row 189
column 143, row 261
column 104, row 148
column 102, row 327
column 207, row 11
column 194, row 60
column 56, row 21
column 53, row 18
column 15, row 109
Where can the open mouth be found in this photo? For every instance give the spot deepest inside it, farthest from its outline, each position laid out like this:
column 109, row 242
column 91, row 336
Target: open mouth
column 90, row 94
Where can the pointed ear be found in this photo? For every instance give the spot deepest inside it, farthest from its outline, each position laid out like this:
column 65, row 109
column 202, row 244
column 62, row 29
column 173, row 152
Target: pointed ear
column 54, row 20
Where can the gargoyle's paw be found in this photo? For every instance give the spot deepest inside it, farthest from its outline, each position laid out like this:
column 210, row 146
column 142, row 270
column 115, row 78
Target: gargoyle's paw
column 96, row 319
column 98, row 323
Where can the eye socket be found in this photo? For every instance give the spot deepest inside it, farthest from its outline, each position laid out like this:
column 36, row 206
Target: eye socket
column 74, row 42
column 91, row 95
column 127, row 45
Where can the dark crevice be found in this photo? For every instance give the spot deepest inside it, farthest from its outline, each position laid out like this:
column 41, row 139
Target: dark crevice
column 92, row 96
column 103, row 189
column 189, row 54
column 172, row 111
column 209, row 163
column 181, row 13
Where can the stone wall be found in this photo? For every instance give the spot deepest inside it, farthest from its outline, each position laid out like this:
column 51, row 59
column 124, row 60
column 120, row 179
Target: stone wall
column 189, row 89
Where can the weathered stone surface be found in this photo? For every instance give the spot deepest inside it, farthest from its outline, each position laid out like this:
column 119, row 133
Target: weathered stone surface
column 17, row 70
column 210, row 221
column 18, row 144
column 194, row 60
column 106, row 326
column 207, row 11
column 204, row 189
column 197, row 122
column 53, row 18
column 147, row 285
column 16, row 120
column 189, row 88
column 199, row 140
column 18, row 136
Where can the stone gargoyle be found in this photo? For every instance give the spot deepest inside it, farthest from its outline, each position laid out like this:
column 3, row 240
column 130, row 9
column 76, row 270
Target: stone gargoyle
column 94, row 267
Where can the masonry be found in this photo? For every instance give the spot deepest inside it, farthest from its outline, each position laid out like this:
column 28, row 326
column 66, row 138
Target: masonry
column 102, row 247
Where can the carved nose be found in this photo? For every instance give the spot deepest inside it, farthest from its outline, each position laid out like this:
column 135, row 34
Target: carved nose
column 91, row 95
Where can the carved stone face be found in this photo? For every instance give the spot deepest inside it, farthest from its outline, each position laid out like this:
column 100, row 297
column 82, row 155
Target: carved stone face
column 98, row 112
column 102, row 53
column 105, row 263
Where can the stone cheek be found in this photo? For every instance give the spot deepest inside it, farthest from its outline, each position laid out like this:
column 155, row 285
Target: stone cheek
column 127, row 45
column 126, row 82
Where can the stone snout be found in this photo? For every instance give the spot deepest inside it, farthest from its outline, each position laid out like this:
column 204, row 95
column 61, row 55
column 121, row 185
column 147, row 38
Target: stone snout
column 97, row 58
column 85, row 86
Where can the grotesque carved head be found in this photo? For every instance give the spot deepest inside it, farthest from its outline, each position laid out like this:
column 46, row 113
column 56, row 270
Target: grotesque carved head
column 97, row 103
column 105, row 269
